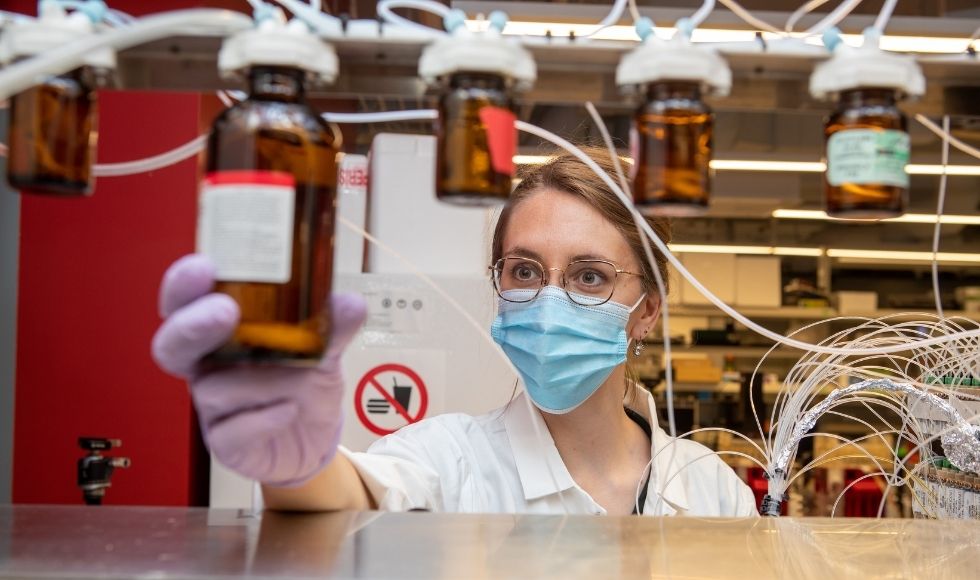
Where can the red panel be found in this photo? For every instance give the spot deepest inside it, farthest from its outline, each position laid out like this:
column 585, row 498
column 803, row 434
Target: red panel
column 89, row 275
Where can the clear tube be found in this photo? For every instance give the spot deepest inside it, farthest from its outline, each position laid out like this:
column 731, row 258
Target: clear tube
column 937, row 130
column 702, row 14
column 886, row 13
column 618, row 7
column 386, row 12
column 664, row 310
column 171, row 157
column 939, row 213
column 382, row 116
column 195, row 146
column 833, row 18
column 747, row 16
column 21, row 75
column 564, row 144
column 801, row 12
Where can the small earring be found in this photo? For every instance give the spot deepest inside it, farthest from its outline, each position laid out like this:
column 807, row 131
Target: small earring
column 638, row 348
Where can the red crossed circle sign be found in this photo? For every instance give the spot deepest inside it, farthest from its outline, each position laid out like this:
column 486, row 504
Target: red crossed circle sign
column 373, row 397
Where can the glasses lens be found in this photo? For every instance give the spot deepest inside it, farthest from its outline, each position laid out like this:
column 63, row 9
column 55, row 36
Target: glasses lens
column 593, row 282
column 518, row 274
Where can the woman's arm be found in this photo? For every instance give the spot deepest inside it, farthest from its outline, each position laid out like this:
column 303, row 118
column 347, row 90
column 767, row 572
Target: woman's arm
column 336, row 487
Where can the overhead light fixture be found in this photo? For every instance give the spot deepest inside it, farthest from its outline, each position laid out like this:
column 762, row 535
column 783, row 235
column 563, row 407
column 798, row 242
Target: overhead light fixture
column 850, row 254
column 895, row 43
column 746, row 250
column 902, row 256
column 747, row 165
column 789, row 166
column 909, row 218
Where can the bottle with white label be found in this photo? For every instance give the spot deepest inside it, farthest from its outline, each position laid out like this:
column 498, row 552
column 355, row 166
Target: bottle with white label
column 867, row 150
column 266, row 219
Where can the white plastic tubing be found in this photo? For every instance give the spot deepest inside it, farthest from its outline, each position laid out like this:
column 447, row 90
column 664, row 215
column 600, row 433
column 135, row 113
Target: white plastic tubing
column 386, row 12
column 22, row 75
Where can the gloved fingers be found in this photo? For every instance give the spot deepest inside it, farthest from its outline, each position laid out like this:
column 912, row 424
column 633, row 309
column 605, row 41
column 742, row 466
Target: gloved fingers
column 193, row 331
column 231, row 434
column 186, row 280
column 348, row 312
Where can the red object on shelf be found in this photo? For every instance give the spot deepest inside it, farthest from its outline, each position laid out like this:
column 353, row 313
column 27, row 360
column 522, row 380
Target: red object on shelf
column 863, row 499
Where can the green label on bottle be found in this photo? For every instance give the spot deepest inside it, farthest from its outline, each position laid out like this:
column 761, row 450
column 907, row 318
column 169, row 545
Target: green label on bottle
column 868, row 157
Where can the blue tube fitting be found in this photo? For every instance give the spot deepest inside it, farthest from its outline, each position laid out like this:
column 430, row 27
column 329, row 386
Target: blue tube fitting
column 498, row 20
column 685, row 27
column 644, row 28
column 454, row 19
column 831, row 38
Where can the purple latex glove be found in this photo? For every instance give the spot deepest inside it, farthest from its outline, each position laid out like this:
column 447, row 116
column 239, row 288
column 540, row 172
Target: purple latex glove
column 277, row 425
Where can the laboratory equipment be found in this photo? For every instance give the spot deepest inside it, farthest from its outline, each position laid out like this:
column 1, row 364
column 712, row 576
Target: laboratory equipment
column 671, row 137
column 54, row 124
column 477, row 75
column 867, row 141
column 95, row 469
column 267, row 201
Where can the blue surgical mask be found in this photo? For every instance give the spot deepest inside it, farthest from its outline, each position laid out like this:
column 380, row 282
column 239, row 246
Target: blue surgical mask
column 564, row 351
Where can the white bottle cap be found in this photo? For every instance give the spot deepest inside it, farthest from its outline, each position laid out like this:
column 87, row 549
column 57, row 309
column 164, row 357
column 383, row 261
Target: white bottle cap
column 275, row 42
column 489, row 52
column 867, row 66
column 52, row 28
column 657, row 60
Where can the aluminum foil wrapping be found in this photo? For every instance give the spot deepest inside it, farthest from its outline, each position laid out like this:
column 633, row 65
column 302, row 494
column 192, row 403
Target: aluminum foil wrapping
column 961, row 442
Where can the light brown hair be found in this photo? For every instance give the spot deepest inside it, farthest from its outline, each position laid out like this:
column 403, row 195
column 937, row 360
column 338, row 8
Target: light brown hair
column 567, row 173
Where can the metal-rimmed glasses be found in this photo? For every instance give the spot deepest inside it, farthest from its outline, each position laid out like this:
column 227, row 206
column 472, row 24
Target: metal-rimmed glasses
column 586, row 282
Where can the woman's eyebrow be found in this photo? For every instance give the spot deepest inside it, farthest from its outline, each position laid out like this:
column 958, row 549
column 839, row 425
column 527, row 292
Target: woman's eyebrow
column 524, row 253
column 592, row 257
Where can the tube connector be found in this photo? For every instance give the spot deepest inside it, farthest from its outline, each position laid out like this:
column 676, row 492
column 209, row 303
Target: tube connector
column 771, row 506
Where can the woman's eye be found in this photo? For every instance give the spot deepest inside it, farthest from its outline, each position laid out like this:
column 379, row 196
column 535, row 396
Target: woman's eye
column 525, row 273
column 591, row 278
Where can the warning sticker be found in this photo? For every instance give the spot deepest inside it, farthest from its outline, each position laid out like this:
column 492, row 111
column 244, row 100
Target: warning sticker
column 389, row 397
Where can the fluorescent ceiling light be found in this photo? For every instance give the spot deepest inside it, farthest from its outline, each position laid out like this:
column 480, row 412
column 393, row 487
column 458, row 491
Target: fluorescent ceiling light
column 902, row 256
column 923, row 44
column 748, row 250
column 913, row 169
column 791, row 166
column 909, row 218
column 743, row 165
column 892, row 255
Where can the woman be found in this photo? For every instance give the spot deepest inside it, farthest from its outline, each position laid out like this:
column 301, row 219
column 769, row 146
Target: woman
column 575, row 296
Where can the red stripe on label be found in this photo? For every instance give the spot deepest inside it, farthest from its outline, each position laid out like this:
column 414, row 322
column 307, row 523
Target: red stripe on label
column 501, row 138
column 250, row 177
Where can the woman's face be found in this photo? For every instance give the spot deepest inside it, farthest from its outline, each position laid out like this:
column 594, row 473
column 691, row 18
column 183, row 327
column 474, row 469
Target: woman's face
column 555, row 228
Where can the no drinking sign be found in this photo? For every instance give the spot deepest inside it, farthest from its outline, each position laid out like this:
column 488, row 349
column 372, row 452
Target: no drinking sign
column 390, row 396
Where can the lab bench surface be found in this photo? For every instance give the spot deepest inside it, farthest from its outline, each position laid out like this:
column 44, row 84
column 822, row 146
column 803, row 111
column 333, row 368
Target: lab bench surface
column 127, row 542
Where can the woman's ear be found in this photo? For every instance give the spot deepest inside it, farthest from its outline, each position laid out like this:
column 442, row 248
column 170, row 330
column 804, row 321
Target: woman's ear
column 649, row 313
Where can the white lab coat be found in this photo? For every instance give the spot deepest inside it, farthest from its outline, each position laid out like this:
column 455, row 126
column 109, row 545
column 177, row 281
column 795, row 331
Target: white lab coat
column 493, row 463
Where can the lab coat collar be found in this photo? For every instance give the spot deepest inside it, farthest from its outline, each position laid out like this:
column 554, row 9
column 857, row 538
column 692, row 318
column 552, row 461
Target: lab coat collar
column 520, row 420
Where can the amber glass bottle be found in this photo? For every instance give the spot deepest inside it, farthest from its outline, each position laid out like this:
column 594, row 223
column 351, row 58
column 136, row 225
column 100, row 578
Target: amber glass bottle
column 267, row 220
column 53, row 135
column 867, row 150
column 476, row 141
column 672, row 150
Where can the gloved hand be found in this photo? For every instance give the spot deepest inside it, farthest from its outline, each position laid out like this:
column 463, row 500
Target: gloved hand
column 277, row 425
